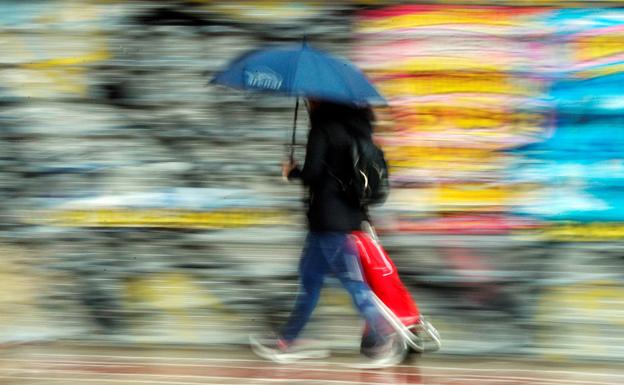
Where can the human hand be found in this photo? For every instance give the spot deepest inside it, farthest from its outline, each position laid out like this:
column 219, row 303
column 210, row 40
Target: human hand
column 287, row 167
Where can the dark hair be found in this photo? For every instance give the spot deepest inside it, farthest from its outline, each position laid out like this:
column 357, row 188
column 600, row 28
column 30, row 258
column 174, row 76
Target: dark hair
column 357, row 120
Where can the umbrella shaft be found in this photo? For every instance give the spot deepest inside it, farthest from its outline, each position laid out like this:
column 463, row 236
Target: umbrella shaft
column 294, row 132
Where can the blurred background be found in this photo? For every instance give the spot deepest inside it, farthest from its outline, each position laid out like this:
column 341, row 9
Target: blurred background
column 138, row 204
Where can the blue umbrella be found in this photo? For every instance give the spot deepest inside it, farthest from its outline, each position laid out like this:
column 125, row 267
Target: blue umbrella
column 300, row 71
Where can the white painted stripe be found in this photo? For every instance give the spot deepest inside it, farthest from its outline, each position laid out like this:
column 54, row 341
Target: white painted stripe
column 328, row 363
column 246, row 379
column 99, row 380
column 472, row 377
column 389, row 374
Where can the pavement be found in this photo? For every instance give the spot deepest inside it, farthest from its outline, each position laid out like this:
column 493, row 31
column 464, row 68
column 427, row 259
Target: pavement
column 98, row 364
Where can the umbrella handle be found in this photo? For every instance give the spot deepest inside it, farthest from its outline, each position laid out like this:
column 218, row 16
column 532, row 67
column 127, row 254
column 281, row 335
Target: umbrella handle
column 294, row 131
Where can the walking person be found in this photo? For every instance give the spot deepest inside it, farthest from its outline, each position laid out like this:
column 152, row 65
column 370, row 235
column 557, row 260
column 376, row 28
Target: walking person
column 332, row 214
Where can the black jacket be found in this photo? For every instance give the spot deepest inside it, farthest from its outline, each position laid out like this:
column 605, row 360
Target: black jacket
column 328, row 166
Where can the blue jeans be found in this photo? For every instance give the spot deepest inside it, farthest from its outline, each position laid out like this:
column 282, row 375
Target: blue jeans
column 332, row 252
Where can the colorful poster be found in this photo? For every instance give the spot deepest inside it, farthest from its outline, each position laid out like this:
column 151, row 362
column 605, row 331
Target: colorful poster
column 499, row 110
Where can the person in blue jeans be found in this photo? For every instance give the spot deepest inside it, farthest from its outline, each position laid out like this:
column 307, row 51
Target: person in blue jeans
column 332, row 214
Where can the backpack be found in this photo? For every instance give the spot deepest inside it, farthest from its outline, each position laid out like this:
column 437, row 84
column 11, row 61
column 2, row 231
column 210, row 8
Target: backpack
column 369, row 183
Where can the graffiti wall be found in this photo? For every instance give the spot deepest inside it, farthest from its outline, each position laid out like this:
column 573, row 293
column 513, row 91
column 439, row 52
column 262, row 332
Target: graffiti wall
column 505, row 124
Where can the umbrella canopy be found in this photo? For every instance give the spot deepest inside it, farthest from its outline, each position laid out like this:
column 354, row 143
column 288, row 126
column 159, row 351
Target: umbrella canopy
column 301, row 71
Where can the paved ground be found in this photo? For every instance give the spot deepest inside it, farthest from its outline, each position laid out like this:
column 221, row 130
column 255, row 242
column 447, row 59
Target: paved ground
column 87, row 364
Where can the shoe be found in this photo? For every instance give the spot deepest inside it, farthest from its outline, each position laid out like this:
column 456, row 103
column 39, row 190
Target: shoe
column 392, row 353
column 276, row 349
column 368, row 345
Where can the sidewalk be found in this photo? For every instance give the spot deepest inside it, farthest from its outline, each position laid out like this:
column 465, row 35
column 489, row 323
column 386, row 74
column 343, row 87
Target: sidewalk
column 87, row 364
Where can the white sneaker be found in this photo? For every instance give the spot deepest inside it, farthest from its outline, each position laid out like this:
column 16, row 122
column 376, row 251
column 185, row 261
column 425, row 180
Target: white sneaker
column 277, row 350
